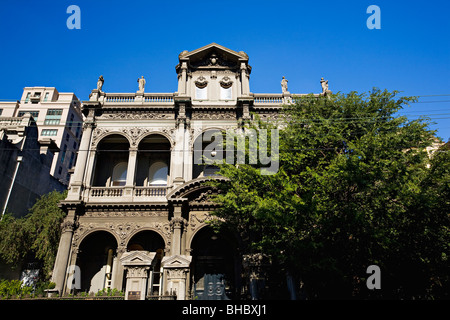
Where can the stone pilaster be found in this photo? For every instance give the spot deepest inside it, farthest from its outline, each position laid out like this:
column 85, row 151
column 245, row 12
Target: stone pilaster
column 64, row 251
column 76, row 185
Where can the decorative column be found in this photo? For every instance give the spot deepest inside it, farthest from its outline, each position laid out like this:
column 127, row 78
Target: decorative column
column 245, row 80
column 178, row 155
column 177, row 224
column 118, row 269
column 176, row 266
column 75, row 188
column 64, row 248
column 182, row 79
column 131, row 172
column 188, row 154
column 92, row 158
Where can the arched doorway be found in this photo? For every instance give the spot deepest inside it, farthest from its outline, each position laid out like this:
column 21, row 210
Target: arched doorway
column 95, row 259
column 215, row 266
column 150, row 241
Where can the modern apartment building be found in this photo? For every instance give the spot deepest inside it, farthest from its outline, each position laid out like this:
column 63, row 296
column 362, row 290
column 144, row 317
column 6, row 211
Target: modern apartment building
column 58, row 117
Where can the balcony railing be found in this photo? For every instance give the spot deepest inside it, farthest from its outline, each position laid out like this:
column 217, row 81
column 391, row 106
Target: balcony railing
column 150, row 191
column 106, row 192
column 162, row 98
column 120, row 98
column 158, row 97
column 268, row 98
column 101, row 194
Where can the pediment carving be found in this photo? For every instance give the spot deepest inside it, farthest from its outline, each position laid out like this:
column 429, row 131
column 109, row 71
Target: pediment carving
column 176, row 261
column 214, row 60
column 137, row 258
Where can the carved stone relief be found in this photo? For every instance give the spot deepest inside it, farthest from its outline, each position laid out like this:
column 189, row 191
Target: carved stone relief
column 136, row 116
column 121, row 230
column 214, row 115
column 226, row 82
column 134, row 133
column 201, row 82
column 198, row 219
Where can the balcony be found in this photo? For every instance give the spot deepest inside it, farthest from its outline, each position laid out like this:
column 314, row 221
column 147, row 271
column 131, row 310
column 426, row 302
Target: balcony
column 126, row 194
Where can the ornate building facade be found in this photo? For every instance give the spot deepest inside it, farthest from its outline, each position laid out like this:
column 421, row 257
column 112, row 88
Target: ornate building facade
column 136, row 208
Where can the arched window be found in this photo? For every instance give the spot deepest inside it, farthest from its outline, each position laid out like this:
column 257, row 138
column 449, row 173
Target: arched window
column 119, row 175
column 157, row 174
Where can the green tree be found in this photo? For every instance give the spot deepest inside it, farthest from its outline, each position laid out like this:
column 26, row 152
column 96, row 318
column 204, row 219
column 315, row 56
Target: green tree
column 353, row 189
column 36, row 235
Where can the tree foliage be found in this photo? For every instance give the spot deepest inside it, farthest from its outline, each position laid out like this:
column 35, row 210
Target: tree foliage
column 35, row 236
column 355, row 187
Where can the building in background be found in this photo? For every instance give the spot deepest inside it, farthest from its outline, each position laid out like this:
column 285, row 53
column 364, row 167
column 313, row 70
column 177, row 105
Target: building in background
column 25, row 162
column 58, row 117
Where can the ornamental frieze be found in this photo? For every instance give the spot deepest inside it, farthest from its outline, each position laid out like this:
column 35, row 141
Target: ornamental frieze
column 121, row 231
column 198, row 219
column 214, row 115
column 113, row 214
column 136, row 116
column 134, row 134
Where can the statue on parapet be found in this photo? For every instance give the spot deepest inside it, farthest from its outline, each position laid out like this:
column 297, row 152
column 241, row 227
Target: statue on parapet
column 324, row 84
column 100, row 82
column 284, row 85
column 141, row 82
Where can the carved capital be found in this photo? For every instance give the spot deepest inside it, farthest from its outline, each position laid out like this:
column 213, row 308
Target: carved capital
column 177, row 273
column 137, row 272
column 68, row 226
column 178, row 223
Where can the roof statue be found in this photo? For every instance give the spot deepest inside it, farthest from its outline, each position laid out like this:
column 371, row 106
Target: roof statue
column 324, row 84
column 100, row 83
column 141, row 82
column 284, row 85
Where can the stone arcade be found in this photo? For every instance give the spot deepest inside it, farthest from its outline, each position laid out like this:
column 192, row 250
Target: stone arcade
column 136, row 208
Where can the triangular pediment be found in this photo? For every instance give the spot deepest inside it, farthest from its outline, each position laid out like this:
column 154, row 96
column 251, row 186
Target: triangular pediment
column 137, row 258
column 211, row 48
column 214, row 55
column 176, row 261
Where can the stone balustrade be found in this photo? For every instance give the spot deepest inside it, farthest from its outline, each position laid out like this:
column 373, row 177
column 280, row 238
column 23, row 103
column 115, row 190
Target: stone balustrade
column 164, row 98
column 158, row 97
column 263, row 98
column 150, row 191
column 105, row 194
column 134, row 97
column 120, row 98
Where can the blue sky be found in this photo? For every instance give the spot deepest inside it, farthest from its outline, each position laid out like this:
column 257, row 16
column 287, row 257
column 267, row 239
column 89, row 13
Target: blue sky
column 301, row 40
